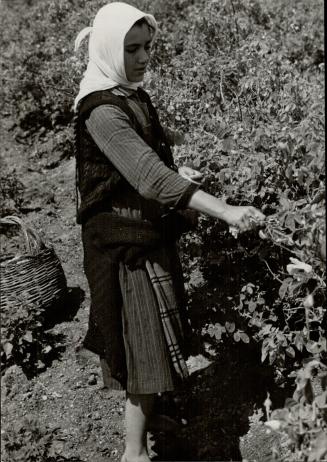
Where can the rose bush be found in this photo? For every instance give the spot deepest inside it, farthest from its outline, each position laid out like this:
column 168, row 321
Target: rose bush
column 244, row 82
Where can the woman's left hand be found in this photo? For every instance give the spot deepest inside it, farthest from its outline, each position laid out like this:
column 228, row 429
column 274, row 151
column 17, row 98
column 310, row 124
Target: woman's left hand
column 190, row 174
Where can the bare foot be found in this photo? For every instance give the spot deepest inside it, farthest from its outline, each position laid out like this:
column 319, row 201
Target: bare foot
column 142, row 458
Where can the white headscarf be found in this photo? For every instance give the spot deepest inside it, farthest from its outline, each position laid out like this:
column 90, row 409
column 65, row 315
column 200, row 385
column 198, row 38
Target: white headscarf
column 106, row 67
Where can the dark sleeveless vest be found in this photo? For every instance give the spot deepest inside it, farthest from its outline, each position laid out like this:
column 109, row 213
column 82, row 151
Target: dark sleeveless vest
column 96, row 177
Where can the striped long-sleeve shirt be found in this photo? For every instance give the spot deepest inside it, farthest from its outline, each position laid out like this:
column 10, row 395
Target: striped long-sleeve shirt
column 110, row 128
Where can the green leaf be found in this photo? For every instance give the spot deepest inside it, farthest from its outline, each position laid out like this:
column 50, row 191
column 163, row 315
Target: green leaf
column 285, row 203
column 237, row 336
column 319, row 447
column 249, row 288
column 299, row 341
column 244, row 337
column 321, row 400
column 289, row 222
column 47, row 349
column 313, row 347
column 28, row 336
column 284, row 288
column 7, row 348
column 289, row 172
column 216, row 330
column 40, row 365
column 290, row 352
column 272, row 356
column 308, row 391
column 252, row 306
column 230, row 326
column 227, row 144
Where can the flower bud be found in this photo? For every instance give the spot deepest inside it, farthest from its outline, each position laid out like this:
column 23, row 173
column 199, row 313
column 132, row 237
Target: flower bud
column 308, row 301
column 262, row 235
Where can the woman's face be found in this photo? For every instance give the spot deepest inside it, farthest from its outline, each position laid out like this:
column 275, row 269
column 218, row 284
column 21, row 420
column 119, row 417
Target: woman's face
column 137, row 47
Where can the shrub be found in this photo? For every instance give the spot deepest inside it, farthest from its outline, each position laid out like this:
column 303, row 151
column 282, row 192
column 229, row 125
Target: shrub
column 11, row 194
column 304, row 418
column 24, row 340
column 32, row 442
column 26, row 441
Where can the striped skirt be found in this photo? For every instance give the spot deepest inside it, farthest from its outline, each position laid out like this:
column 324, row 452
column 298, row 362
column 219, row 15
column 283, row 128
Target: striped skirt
column 152, row 325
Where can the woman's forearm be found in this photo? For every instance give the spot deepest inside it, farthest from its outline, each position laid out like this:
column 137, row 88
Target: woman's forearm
column 208, row 204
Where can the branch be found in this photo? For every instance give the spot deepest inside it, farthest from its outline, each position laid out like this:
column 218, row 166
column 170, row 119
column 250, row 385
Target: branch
column 238, row 102
column 271, row 272
column 236, row 24
column 221, row 88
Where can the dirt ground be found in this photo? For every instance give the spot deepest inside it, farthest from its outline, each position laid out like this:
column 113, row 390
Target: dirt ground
column 214, row 406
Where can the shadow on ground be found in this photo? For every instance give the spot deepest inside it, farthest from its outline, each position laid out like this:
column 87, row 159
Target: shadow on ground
column 65, row 310
column 215, row 406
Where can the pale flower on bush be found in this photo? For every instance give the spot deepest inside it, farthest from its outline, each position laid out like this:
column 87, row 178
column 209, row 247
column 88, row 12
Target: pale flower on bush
column 273, row 424
column 298, row 265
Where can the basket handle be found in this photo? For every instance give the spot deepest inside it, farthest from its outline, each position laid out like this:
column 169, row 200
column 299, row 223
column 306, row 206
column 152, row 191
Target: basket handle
column 33, row 241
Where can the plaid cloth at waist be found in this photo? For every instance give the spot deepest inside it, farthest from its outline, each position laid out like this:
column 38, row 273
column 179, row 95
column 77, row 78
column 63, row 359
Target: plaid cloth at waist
column 162, row 283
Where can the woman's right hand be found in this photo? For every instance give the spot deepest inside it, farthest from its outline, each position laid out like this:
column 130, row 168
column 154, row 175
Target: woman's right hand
column 242, row 217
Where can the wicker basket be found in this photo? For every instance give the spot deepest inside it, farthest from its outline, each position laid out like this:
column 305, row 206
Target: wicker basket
column 34, row 278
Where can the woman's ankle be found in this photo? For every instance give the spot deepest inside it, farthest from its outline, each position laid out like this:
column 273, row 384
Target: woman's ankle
column 131, row 455
column 133, row 452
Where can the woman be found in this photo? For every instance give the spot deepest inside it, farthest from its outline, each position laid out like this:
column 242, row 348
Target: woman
column 133, row 207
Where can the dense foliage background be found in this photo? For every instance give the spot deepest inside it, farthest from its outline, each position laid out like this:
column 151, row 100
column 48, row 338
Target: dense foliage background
column 244, row 82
